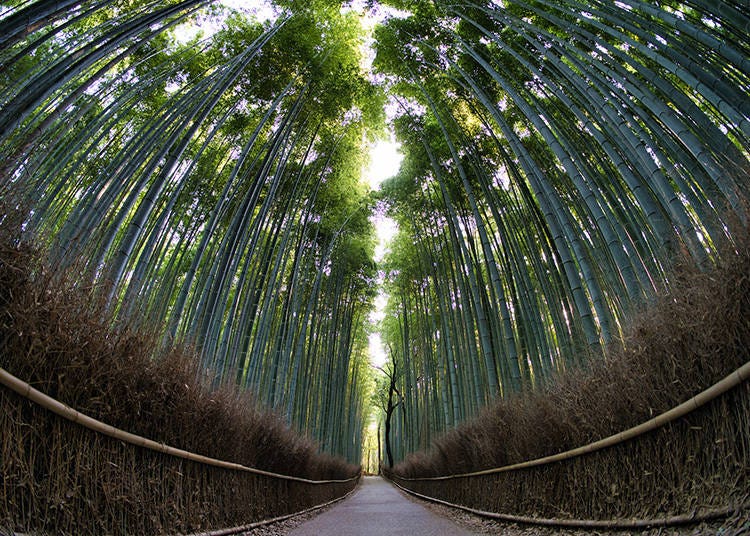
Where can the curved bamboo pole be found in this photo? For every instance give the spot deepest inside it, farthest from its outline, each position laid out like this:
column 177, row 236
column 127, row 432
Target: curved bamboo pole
column 666, row 521
column 251, row 526
column 65, row 411
column 722, row 386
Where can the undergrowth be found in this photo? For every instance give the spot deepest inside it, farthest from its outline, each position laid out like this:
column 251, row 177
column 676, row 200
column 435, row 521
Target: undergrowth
column 56, row 335
column 685, row 340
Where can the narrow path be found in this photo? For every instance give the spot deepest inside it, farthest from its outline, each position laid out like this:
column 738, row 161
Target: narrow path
column 375, row 509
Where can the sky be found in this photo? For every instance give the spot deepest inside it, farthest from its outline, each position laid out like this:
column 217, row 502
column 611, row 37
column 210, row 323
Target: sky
column 385, row 158
column 384, row 163
column 263, row 10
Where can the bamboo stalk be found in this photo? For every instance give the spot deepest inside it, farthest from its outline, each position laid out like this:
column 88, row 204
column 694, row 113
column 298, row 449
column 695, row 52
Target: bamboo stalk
column 722, row 386
column 592, row 523
column 244, row 528
column 65, row 411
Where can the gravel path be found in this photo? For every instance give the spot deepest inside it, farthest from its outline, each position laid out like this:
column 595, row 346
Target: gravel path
column 378, row 508
column 375, row 509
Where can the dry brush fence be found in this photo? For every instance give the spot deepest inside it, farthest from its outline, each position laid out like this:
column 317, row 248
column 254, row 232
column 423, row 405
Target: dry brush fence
column 67, row 473
column 690, row 463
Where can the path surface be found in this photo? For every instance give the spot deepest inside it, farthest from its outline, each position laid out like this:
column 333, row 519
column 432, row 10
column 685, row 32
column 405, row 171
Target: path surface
column 376, row 509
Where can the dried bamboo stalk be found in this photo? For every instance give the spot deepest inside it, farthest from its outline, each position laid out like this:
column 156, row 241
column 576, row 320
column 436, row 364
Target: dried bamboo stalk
column 729, row 382
column 245, row 528
column 666, row 521
column 65, row 411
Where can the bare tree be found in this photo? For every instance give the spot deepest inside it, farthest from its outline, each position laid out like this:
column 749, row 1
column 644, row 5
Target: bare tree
column 389, row 405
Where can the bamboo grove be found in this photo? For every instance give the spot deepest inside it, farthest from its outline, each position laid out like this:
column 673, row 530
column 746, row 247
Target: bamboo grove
column 211, row 187
column 559, row 155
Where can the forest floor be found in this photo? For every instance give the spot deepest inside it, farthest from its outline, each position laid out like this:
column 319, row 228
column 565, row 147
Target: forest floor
column 466, row 523
column 737, row 525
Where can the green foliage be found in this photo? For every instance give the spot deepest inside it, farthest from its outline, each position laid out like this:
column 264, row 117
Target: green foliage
column 533, row 199
column 211, row 183
column 558, row 156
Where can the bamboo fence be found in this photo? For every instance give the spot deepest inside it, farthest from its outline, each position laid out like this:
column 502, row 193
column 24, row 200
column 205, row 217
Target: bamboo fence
column 67, row 473
column 693, row 458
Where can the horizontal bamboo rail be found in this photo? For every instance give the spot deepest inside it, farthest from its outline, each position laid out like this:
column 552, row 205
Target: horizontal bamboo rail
column 667, row 521
column 65, row 411
column 729, row 382
column 251, row 526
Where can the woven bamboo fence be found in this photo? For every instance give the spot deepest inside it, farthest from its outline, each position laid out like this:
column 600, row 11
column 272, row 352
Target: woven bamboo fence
column 66, row 473
column 690, row 463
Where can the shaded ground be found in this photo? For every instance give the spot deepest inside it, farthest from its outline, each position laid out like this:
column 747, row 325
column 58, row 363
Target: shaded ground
column 377, row 506
column 736, row 525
